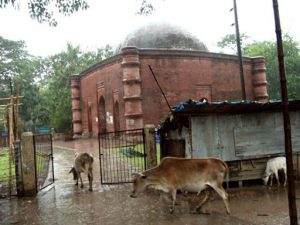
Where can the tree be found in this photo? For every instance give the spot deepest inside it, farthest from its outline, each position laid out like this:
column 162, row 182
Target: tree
column 268, row 50
column 43, row 10
column 54, row 86
column 17, row 72
column 14, row 65
column 229, row 41
column 44, row 82
column 146, row 8
column 12, row 56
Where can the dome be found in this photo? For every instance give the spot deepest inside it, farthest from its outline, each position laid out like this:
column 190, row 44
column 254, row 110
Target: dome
column 162, row 36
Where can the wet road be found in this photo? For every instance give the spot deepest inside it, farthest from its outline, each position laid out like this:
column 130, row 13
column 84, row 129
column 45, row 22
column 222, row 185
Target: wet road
column 64, row 203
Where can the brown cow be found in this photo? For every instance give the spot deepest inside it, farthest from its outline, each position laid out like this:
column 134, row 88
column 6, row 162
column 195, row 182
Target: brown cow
column 83, row 164
column 192, row 175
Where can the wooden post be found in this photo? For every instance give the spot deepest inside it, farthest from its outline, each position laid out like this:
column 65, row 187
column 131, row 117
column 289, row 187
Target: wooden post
column 150, row 146
column 286, row 120
column 28, row 165
column 18, row 168
column 10, row 140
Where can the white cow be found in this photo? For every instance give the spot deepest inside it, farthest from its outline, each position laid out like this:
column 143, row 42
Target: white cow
column 273, row 165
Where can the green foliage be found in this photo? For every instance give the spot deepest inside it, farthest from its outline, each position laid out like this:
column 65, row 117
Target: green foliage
column 268, row 49
column 44, row 82
column 13, row 60
column 229, row 41
column 43, row 10
column 55, row 92
column 17, row 72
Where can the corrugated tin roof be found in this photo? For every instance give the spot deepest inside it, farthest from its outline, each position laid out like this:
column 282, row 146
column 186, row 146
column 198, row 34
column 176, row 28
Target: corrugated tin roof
column 194, row 108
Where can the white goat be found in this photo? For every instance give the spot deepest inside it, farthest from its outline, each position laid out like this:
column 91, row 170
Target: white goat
column 83, row 164
column 273, row 165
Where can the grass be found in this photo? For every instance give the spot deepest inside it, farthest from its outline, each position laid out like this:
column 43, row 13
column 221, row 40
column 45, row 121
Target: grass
column 134, row 154
column 41, row 161
column 6, row 169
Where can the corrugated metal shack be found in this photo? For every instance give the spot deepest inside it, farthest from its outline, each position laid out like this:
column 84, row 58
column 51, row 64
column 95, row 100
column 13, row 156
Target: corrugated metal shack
column 244, row 134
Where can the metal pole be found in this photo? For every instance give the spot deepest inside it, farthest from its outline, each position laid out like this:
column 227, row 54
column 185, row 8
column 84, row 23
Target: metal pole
column 286, row 120
column 160, row 88
column 238, row 43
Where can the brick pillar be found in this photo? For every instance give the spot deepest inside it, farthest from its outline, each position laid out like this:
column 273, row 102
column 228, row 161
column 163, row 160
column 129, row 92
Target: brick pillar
column 259, row 79
column 76, row 107
column 28, row 165
column 132, row 88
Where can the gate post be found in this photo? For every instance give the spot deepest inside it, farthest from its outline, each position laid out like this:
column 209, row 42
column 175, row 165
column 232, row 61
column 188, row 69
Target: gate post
column 150, row 146
column 18, row 168
column 28, row 165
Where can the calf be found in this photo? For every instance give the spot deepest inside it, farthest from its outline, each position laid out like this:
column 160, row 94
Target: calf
column 191, row 175
column 83, row 163
column 273, row 165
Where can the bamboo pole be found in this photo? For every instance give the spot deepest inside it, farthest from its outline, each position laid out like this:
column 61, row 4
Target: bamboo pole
column 286, row 120
column 8, row 99
column 9, row 105
column 10, row 144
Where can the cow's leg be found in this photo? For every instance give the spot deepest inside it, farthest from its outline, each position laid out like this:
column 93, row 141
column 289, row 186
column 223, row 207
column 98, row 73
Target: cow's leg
column 173, row 194
column 220, row 190
column 277, row 178
column 204, row 201
column 90, row 176
column 80, row 180
column 271, row 177
column 285, row 177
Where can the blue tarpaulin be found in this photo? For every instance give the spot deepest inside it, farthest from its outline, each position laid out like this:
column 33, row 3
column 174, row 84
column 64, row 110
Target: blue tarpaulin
column 194, row 108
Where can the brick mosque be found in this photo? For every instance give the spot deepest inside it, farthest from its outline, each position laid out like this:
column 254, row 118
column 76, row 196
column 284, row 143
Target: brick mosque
column 120, row 93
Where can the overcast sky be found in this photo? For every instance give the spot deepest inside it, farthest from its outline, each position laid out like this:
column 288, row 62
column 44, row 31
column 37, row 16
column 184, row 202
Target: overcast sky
column 108, row 22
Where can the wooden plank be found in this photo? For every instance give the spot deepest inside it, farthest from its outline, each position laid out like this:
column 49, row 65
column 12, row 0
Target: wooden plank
column 254, row 142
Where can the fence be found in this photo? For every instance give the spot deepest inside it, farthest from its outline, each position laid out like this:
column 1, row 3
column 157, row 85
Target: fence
column 10, row 162
column 43, row 154
column 9, row 158
column 16, row 164
column 121, row 154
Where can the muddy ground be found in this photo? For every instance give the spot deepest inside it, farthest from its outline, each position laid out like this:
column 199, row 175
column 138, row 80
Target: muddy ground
column 65, row 203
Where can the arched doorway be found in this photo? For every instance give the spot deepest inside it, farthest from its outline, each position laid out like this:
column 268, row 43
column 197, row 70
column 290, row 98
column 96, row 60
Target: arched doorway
column 116, row 116
column 102, row 116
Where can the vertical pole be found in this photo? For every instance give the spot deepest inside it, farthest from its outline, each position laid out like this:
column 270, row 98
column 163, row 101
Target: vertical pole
column 150, row 146
column 18, row 168
column 238, row 43
column 28, row 165
column 13, row 108
column 286, row 120
column 16, row 114
column 10, row 142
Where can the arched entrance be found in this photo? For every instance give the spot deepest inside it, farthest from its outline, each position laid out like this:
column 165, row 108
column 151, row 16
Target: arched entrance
column 102, row 116
column 116, row 116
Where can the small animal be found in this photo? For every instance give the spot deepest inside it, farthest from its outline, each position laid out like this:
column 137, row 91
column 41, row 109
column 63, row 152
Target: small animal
column 83, row 164
column 191, row 175
column 273, row 166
